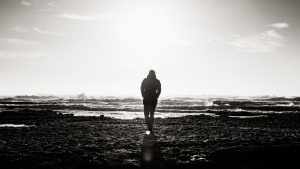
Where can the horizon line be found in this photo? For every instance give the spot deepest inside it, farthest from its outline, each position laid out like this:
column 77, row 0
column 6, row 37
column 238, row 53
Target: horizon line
column 179, row 95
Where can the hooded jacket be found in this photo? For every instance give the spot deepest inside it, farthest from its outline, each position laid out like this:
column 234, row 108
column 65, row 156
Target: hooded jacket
column 151, row 87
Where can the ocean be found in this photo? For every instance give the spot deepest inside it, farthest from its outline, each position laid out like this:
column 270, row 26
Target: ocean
column 132, row 107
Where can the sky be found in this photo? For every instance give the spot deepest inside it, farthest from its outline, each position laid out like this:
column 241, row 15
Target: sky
column 107, row 47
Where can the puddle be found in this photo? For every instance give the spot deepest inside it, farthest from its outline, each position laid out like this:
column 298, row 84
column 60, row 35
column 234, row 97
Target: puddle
column 15, row 125
column 198, row 157
column 245, row 117
column 129, row 115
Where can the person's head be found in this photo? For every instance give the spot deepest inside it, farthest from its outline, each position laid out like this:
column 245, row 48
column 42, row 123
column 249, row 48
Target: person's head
column 152, row 74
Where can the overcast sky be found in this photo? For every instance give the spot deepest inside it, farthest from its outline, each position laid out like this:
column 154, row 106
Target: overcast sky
column 232, row 47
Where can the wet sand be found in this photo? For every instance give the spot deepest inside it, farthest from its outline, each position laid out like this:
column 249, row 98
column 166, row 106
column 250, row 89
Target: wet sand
column 53, row 140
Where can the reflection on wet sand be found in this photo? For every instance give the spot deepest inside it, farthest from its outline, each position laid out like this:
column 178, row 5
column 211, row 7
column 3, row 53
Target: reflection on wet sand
column 151, row 156
column 15, row 125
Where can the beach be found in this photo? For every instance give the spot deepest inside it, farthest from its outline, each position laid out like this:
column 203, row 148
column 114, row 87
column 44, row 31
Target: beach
column 81, row 81
column 54, row 140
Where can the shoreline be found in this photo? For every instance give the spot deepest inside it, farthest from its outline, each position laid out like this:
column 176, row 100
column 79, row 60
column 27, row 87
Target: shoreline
column 66, row 141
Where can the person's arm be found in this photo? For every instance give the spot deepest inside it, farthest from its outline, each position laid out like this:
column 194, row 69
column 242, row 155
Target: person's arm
column 143, row 88
column 158, row 89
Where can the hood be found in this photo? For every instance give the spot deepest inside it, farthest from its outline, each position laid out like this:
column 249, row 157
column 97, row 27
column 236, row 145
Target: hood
column 151, row 76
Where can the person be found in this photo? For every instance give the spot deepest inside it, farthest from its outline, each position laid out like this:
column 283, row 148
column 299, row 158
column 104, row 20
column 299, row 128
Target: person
column 150, row 90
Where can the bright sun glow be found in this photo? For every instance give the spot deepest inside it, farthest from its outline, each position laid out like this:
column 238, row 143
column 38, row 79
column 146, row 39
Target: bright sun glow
column 146, row 36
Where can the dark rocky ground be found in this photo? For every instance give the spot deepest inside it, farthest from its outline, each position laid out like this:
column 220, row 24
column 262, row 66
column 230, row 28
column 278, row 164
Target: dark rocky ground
column 64, row 141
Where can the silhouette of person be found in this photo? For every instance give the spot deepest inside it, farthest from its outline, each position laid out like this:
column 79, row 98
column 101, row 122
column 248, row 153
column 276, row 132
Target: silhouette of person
column 150, row 90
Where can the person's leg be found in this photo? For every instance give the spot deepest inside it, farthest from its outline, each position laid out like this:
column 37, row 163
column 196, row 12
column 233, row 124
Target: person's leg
column 151, row 119
column 146, row 114
column 152, row 110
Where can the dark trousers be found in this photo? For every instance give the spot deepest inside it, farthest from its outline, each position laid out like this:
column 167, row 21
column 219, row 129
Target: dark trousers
column 149, row 108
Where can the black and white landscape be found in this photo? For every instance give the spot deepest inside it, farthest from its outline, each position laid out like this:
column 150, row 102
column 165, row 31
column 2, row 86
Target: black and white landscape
column 71, row 74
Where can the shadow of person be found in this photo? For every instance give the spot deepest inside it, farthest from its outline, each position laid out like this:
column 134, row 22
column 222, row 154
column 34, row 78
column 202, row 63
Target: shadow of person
column 151, row 156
